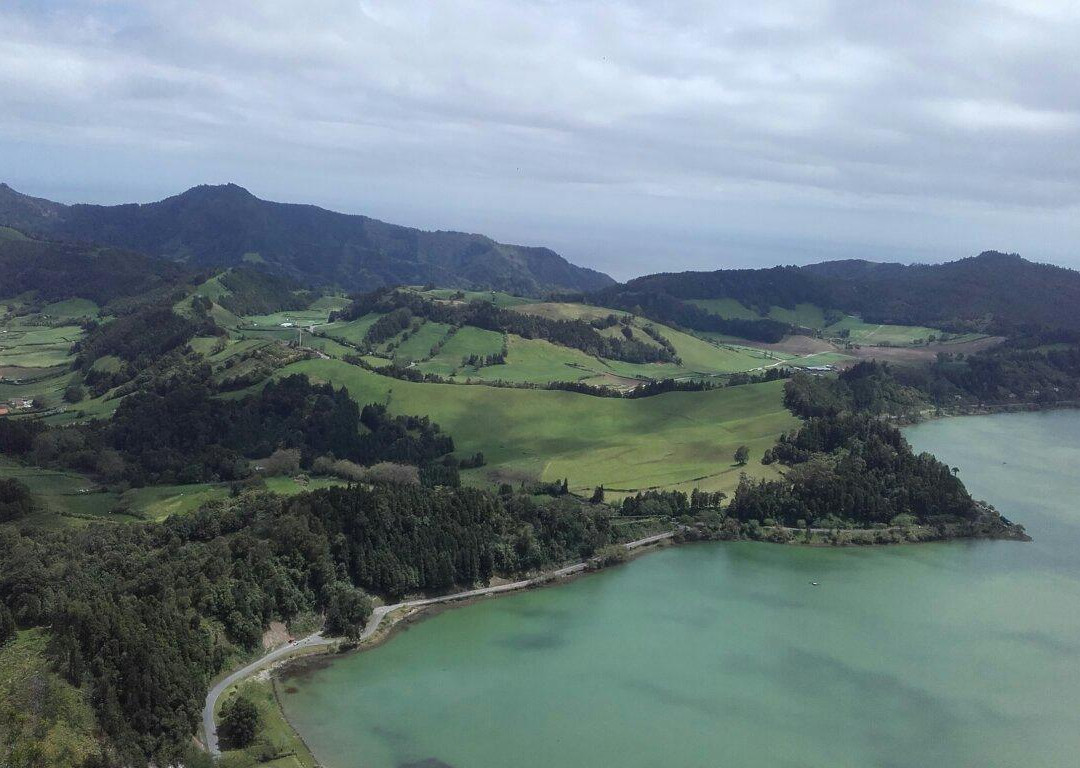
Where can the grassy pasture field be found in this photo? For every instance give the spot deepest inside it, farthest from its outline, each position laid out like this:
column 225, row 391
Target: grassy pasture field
column 676, row 440
column 64, row 499
column 872, row 334
column 302, row 317
column 812, row 316
column 465, row 341
column 562, row 310
column 36, row 346
column 806, row 315
column 46, row 720
column 73, row 308
column 498, row 298
column 353, row 331
column 330, row 303
column 418, row 346
column 536, row 361
column 7, row 233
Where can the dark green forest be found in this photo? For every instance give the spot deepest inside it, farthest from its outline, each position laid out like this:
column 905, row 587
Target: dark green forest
column 144, row 615
column 991, row 293
column 106, row 276
column 176, row 431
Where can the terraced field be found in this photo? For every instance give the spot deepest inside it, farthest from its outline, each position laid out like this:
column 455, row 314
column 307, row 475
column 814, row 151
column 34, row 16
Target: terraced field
column 677, row 440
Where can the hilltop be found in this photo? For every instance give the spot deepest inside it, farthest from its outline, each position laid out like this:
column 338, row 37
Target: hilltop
column 225, row 225
column 993, row 293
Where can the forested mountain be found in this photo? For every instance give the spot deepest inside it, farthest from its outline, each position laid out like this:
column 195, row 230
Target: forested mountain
column 59, row 271
column 224, row 225
column 991, row 292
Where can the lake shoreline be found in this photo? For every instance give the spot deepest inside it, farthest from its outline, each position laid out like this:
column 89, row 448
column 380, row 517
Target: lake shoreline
column 278, row 673
column 397, row 622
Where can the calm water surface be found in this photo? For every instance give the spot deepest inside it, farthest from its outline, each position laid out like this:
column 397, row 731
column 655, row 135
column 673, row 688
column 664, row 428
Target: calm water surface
column 959, row 654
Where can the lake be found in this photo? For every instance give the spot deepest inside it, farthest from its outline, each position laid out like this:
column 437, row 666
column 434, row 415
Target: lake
column 945, row 654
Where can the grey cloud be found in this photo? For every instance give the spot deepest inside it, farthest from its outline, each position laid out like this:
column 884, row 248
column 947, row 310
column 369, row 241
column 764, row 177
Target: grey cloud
column 929, row 128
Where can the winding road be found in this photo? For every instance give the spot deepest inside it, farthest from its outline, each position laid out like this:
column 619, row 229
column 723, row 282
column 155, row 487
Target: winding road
column 374, row 621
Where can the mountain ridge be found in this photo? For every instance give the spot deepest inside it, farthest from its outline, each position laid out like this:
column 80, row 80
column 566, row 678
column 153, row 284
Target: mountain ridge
column 991, row 292
column 224, row 225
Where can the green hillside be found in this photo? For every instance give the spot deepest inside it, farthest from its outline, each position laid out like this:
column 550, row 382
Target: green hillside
column 676, row 440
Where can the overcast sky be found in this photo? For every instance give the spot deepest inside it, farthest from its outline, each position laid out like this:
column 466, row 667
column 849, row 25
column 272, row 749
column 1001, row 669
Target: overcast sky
column 633, row 137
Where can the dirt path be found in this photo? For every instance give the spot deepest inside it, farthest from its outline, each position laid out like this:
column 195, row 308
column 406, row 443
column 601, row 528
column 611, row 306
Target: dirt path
column 374, row 622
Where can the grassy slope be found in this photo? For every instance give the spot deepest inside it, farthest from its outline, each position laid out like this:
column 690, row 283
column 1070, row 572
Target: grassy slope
column 669, row 440
column 275, row 736
column 873, row 334
column 62, row 502
column 465, row 341
column 37, row 346
column 418, row 345
column 353, row 331
column 74, row 308
column 812, row 316
column 44, row 720
column 500, row 299
column 7, row 233
column 560, row 310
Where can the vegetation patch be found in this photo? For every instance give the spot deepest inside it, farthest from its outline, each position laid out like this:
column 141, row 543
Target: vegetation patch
column 671, row 440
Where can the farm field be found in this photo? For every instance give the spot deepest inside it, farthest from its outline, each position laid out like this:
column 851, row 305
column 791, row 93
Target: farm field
column 559, row 310
column 71, row 308
column 533, row 361
column 814, row 317
column 465, row 341
column 70, row 498
column 872, row 334
column 36, row 346
column 67, row 498
column 806, row 315
column 418, row 345
column 353, row 331
column 676, row 440
column 536, row 361
column 498, row 298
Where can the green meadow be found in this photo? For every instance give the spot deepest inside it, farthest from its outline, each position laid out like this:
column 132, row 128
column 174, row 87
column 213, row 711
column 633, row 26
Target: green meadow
column 36, row 346
column 676, row 440
column 873, row 334
column 352, row 332
column 498, row 298
column 814, row 317
column 465, row 341
column 69, row 498
column 418, row 345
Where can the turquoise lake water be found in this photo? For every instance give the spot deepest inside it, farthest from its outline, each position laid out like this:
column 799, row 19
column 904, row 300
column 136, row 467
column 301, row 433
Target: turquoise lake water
column 952, row 654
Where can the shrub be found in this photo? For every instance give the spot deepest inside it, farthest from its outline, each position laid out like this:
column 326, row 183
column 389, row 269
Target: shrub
column 239, row 721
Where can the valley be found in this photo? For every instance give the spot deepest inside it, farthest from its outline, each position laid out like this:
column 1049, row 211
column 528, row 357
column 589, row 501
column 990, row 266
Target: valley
column 326, row 453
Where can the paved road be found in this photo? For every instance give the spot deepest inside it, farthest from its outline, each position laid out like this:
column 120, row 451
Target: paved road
column 376, row 619
column 209, row 727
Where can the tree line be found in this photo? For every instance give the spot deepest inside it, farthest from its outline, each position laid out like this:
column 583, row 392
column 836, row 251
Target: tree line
column 142, row 616
column 178, row 431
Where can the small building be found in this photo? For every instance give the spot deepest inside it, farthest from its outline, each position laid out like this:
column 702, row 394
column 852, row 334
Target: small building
column 4, row 410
